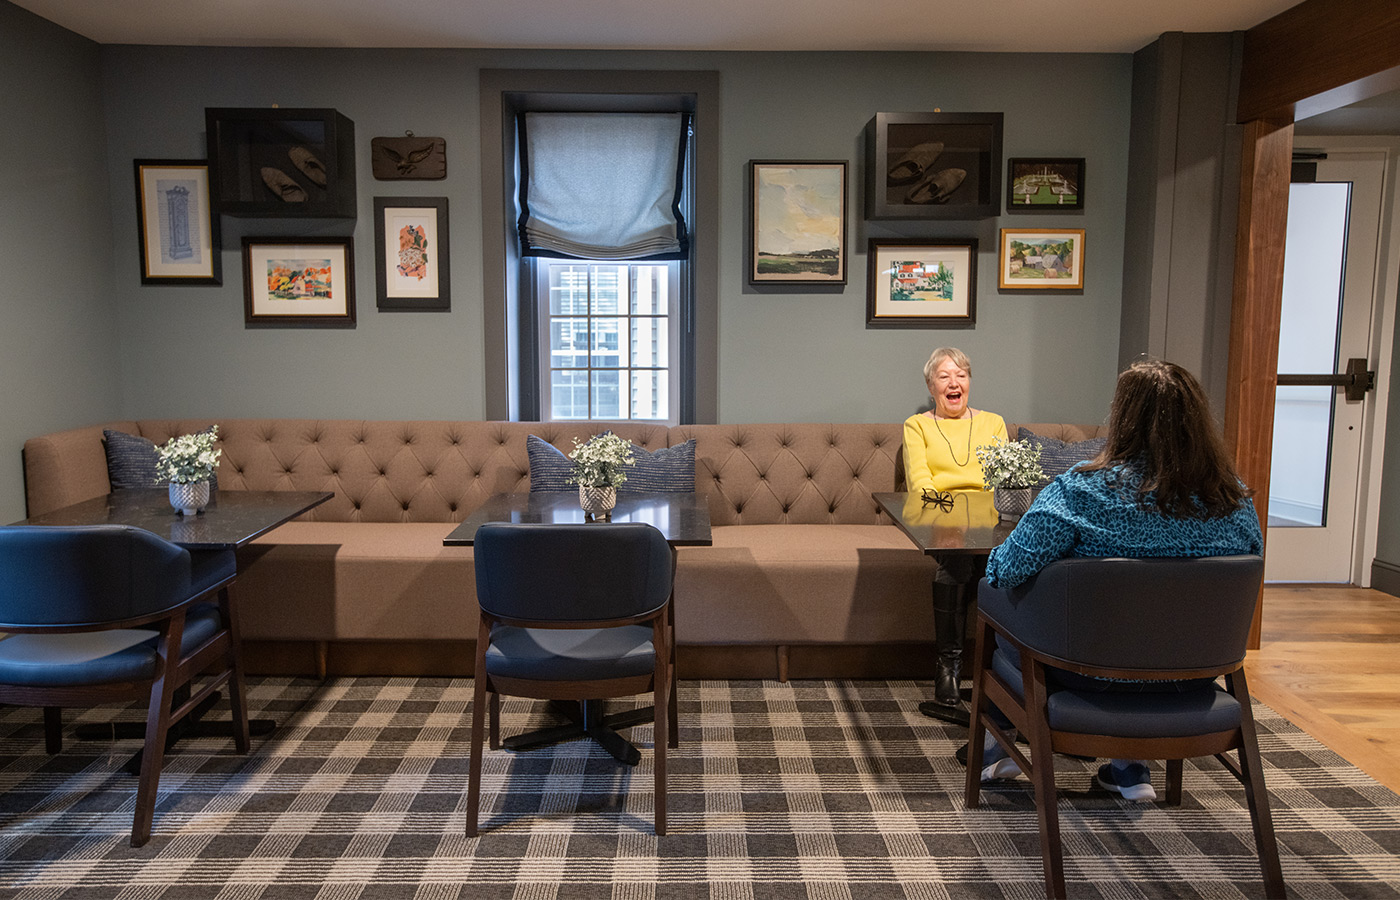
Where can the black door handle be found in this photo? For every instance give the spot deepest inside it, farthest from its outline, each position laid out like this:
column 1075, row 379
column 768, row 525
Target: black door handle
column 1357, row 379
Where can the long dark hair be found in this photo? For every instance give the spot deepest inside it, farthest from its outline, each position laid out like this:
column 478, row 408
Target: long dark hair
column 1161, row 428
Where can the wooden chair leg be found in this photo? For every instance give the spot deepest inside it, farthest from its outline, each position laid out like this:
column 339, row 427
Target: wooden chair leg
column 157, row 727
column 1043, row 777
column 983, row 642
column 661, row 718
column 1174, row 769
column 494, row 709
column 53, row 729
column 478, row 725
column 1255, row 791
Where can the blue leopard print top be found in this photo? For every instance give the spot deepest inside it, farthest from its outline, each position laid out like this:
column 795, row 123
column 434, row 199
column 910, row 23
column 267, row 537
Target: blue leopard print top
column 1098, row 514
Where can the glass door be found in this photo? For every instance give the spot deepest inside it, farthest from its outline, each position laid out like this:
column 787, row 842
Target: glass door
column 1324, row 336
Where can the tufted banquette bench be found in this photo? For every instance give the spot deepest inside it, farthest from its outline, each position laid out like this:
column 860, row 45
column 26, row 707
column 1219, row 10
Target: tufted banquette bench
column 806, row 576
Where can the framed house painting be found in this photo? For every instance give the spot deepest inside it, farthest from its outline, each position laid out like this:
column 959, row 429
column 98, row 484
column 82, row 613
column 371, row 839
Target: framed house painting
column 933, row 165
column 299, row 281
column 410, row 253
column 921, row 283
column 1044, row 184
column 797, row 222
column 1041, row 259
column 177, row 231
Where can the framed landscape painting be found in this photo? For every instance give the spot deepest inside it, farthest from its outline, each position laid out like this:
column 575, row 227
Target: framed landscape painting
column 297, row 281
column 1044, row 184
column 922, row 283
column 797, row 222
column 1041, row 259
column 175, row 226
column 410, row 253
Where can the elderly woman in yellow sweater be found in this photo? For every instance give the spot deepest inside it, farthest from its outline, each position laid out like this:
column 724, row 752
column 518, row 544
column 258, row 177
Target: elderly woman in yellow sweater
column 940, row 452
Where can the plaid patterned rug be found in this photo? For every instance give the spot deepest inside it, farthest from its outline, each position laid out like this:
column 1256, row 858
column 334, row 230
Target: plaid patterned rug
column 813, row 789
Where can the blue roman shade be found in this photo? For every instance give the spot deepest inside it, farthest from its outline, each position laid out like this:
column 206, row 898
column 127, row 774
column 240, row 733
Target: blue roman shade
column 602, row 185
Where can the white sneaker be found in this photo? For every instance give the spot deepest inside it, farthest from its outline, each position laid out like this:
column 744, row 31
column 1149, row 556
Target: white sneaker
column 1001, row 769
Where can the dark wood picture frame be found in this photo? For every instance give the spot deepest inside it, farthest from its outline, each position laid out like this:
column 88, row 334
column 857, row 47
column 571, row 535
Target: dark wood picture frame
column 787, row 243
column 1042, row 183
column 916, row 272
column 281, row 163
column 933, row 166
column 420, row 283
column 177, row 229
column 307, row 293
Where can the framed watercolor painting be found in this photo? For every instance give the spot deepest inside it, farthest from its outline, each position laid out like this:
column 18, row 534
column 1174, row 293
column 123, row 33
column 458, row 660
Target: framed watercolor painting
column 1041, row 259
column 177, row 230
column 797, row 222
column 299, row 281
column 410, row 253
column 921, row 283
column 1044, row 184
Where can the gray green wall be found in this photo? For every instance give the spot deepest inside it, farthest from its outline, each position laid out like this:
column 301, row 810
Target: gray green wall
column 803, row 356
column 102, row 345
column 58, row 359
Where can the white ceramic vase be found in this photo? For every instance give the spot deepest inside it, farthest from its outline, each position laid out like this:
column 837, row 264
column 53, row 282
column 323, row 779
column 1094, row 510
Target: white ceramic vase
column 597, row 501
column 189, row 499
column 1011, row 503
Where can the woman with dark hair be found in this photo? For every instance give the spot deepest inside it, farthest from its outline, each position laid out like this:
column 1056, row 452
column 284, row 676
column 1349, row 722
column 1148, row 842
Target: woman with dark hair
column 1164, row 485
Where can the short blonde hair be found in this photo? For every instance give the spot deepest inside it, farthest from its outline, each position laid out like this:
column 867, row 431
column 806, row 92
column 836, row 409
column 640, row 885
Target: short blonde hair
column 958, row 357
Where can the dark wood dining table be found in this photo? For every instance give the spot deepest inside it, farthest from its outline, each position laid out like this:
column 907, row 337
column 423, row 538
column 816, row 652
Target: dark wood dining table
column 682, row 518
column 230, row 520
column 966, row 524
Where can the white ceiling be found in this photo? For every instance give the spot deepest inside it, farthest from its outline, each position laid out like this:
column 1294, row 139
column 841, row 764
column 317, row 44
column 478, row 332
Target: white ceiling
column 1078, row 26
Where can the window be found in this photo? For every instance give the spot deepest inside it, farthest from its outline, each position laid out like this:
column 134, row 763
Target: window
column 608, row 333
column 519, row 373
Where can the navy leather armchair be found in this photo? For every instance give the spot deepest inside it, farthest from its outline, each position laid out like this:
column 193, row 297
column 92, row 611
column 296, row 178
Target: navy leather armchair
column 108, row 613
column 1143, row 622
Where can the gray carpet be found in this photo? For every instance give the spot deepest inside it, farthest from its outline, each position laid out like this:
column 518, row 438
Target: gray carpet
column 815, row 789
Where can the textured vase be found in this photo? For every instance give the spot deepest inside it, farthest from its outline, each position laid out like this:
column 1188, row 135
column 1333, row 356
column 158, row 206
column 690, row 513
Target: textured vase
column 189, row 499
column 596, row 501
column 1011, row 503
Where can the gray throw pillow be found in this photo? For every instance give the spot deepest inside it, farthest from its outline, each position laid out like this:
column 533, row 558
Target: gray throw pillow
column 549, row 469
column 670, row 470
column 1056, row 456
column 131, row 462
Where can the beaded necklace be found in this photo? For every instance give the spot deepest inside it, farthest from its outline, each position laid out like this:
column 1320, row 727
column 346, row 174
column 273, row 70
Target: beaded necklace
column 951, row 452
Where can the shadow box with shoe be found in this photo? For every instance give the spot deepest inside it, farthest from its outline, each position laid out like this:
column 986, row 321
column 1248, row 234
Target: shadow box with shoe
column 278, row 163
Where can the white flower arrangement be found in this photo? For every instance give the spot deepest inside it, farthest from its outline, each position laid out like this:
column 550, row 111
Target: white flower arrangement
column 598, row 462
column 1010, row 464
column 189, row 458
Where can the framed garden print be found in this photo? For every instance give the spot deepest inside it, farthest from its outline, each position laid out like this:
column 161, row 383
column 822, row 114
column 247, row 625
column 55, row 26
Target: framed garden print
column 1044, row 184
column 177, row 230
column 1041, row 259
column 410, row 253
column 299, row 281
column 797, row 222
column 921, row 283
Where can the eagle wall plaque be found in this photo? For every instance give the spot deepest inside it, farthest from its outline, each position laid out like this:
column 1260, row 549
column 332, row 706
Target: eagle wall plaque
column 408, row 158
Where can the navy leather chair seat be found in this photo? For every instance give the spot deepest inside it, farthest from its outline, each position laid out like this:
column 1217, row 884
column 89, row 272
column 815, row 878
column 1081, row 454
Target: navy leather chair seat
column 574, row 654
column 96, row 657
column 1153, row 712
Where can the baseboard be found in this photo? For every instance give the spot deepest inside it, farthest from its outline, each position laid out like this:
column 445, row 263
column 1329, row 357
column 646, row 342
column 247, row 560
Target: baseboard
column 454, row 659
column 1385, row 577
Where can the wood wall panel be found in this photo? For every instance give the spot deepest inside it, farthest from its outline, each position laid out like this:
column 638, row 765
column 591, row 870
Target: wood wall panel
column 1265, row 161
column 1323, row 54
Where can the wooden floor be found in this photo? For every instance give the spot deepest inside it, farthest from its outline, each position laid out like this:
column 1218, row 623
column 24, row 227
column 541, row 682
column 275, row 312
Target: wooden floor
column 1329, row 661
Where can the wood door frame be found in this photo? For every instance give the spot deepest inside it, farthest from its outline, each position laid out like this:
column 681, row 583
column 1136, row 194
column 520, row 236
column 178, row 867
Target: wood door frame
column 1317, row 56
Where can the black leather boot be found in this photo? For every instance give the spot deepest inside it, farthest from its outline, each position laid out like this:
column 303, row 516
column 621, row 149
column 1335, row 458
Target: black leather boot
column 950, row 627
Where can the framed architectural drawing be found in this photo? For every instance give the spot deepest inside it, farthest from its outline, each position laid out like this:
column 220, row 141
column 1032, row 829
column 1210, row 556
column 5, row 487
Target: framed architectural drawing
column 177, row 231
